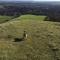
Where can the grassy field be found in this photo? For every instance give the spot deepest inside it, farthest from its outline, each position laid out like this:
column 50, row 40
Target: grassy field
column 5, row 18
column 32, row 17
column 43, row 42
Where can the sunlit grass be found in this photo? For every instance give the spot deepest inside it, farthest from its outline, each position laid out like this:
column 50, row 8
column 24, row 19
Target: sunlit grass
column 32, row 17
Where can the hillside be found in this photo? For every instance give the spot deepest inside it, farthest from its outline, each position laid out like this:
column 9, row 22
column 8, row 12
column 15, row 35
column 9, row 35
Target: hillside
column 41, row 35
column 4, row 18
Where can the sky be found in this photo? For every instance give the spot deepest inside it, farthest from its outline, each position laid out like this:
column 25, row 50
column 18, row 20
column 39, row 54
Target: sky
column 30, row 0
column 46, row 0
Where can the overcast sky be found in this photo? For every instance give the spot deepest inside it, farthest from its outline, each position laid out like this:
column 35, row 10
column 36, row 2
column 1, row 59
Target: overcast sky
column 29, row 0
column 46, row 0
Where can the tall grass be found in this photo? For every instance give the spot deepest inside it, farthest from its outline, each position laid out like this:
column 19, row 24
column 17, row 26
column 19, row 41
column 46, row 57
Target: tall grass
column 40, row 34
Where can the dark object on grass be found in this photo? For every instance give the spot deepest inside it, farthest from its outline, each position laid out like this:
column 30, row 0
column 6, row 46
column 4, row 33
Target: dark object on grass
column 18, row 39
column 21, row 39
column 25, row 35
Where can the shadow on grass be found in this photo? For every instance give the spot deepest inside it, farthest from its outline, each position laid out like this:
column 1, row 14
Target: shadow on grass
column 52, row 19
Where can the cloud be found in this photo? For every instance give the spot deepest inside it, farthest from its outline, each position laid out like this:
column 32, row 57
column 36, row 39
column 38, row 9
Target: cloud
column 46, row 0
column 29, row 0
column 16, row 0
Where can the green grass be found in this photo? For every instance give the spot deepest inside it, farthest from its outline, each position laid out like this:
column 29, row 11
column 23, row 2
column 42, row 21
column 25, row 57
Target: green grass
column 5, row 18
column 32, row 17
column 36, row 47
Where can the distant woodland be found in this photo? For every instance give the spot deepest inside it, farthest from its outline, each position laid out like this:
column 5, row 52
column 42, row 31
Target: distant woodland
column 16, row 9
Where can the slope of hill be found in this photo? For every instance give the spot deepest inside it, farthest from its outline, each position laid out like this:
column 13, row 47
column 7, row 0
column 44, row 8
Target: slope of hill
column 4, row 19
column 43, row 38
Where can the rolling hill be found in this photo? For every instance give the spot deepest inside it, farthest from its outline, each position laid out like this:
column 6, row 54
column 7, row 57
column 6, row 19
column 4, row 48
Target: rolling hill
column 42, row 43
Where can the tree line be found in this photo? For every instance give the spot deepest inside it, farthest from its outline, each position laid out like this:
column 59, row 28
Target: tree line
column 52, row 12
